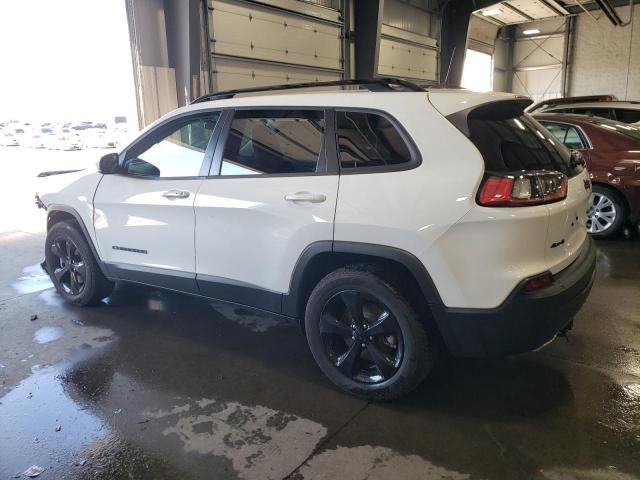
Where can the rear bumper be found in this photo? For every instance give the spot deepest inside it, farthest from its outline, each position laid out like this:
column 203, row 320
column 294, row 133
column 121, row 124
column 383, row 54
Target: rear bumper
column 525, row 321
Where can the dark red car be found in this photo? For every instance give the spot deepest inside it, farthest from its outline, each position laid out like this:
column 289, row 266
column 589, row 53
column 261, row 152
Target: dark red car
column 612, row 152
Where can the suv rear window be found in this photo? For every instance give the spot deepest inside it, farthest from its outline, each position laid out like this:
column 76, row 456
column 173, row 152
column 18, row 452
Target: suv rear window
column 511, row 141
column 627, row 115
column 369, row 140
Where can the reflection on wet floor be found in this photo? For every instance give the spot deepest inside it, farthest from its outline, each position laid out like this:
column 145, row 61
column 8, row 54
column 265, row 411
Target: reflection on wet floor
column 42, row 426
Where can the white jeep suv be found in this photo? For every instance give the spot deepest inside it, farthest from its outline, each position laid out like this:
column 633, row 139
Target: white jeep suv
column 390, row 220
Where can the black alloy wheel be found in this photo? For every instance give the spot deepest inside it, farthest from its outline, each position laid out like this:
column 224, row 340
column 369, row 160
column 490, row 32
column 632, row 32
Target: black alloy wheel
column 69, row 268
column 72, row 267
column 361, row 337
column 366, row 336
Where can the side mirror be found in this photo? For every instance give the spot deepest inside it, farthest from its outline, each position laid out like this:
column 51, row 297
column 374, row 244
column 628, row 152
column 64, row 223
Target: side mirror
column 110, row 164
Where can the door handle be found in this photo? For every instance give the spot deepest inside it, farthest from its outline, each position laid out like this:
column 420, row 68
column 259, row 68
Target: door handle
column 305, row 197
column 171, row 194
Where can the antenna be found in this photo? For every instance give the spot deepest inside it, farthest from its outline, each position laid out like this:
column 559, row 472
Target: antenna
column 446, row 77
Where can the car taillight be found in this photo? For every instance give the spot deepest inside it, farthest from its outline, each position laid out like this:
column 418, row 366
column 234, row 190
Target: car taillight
column 527, row 188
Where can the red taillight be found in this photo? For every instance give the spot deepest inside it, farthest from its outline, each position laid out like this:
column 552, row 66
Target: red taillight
column 538, row 282
column 530, row 188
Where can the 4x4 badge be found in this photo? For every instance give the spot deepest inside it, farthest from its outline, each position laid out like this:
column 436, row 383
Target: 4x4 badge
column 587, row 184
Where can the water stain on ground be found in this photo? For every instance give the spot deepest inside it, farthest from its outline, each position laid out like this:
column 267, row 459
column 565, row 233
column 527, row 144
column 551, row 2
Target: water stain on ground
column 33, row 279
column 261, row 443
column 372, row 463
column 251, row 320
column 48, row 334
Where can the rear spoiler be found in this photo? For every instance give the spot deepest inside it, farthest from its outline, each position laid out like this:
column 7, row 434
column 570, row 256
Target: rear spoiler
column 497, row 110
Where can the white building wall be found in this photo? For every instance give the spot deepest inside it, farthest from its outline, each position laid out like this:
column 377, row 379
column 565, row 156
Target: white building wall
column 606, row 59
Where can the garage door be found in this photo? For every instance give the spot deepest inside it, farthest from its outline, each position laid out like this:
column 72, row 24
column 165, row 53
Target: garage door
column 274, row 42
column 408, row 43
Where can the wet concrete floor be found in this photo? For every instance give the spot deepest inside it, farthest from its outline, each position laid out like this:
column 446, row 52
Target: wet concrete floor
column 154, row 385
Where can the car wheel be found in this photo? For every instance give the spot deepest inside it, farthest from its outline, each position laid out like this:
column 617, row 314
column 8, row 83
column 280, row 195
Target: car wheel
column 366, row 337
column 606, row 212
column 72, row 267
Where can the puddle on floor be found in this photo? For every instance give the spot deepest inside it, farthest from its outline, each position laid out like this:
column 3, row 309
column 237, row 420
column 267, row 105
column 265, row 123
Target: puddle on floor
column 33, row 279
column 42, row 426
column 622, row 410
column 48, row 334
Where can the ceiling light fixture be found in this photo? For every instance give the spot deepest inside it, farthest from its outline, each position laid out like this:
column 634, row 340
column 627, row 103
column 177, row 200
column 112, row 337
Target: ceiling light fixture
column 532, row 31
column 492, row 12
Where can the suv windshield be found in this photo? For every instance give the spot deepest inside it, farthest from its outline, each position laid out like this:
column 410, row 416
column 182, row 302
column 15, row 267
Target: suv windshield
column 511, row 141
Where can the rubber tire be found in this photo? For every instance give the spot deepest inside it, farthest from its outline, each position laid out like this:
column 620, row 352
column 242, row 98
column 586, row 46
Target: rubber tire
column 621, row 210
column 419, row 354
column 97, row 286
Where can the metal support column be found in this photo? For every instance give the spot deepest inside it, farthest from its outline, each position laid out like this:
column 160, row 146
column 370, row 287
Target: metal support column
column 455, row 28
column 510, row 32
column 566, row 54
column 183, row 42
column 368, row 23
column 345, row 9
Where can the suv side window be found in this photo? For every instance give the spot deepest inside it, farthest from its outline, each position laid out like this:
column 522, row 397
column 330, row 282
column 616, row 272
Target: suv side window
column 178, row 153
column 369, row 140
column 273, row 141
column 566, row 134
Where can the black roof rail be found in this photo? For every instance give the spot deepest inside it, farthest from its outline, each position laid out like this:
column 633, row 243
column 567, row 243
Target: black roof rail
column 382, row 84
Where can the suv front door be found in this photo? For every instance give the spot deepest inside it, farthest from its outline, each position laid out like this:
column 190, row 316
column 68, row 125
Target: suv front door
column 270, row 194
column 144, row 218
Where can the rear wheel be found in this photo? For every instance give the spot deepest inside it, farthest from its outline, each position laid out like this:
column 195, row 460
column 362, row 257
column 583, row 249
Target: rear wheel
column 606, row 212
column 366, row 337
column 72, row 267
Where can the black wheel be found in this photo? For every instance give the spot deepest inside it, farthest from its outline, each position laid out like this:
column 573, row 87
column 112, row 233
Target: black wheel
column 72, row 268
column 606, row 213
column 366, row 337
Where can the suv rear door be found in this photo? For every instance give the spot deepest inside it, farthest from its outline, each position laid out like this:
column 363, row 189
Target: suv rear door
column 511, row 141
column 271, row 192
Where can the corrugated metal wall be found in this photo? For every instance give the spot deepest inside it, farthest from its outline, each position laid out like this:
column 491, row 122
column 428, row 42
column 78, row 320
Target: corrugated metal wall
column 409, row 43
column 407, row 17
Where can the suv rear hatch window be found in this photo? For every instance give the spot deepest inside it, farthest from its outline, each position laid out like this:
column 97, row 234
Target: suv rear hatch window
column 512, row 141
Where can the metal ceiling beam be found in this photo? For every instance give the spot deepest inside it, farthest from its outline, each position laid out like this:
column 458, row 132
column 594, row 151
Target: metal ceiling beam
column 610, row 12
column 518, row 11
column 555, row 7
column 576, row 9
column 494, row 21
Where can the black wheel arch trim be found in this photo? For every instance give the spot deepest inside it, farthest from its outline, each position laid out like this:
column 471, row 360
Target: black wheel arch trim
column 74, row 213
column 291, row 301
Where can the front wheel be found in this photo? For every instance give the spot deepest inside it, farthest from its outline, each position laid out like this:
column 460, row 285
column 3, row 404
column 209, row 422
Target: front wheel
column 605, row 214
column 72, row 268
column 366, row 337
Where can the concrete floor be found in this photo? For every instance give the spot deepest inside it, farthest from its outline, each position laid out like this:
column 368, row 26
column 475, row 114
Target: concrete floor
column 154, row 385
